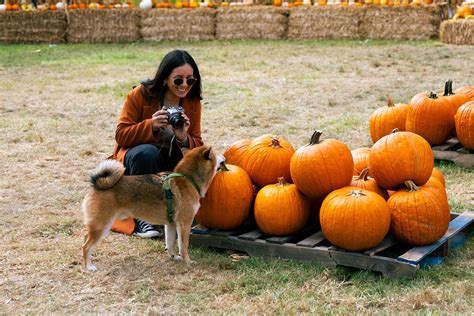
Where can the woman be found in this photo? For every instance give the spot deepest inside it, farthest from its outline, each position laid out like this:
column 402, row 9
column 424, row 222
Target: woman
column 146, row 142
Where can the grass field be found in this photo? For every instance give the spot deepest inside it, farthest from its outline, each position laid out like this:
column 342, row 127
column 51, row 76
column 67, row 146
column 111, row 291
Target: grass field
column 59, row 105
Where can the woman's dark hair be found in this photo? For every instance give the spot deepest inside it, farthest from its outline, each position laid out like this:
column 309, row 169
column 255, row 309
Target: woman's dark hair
column 155, row 89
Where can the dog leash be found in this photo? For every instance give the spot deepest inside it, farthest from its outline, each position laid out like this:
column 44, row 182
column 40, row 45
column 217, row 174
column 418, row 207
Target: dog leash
column 169, row 195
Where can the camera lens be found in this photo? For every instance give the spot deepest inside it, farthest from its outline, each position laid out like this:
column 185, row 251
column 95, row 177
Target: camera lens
column 176, row 120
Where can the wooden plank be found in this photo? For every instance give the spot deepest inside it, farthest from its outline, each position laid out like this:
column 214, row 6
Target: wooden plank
column 460, row 159
column 312, row 240
column 416, row 254
column 389, row 267
column 260, row 248
column 279, row 240
column 388, row 242
column 451, row 144
column 252, row 235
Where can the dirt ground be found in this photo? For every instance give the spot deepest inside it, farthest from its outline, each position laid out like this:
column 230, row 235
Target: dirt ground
column 59, row 107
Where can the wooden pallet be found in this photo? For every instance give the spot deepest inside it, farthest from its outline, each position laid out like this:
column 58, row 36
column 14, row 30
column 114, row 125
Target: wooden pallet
column 391, row 258
column 453, row 151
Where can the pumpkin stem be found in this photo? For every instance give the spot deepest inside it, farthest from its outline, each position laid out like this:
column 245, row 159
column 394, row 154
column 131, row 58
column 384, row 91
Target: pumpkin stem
column 395, row 130
column 433, row 95
column 223, row 167
column 275, row 143
column 411, row 186
column 356, row 193
column 281, row 181
column 390, row 102
column 448, row 88
column 315, row 137
column 364, row 174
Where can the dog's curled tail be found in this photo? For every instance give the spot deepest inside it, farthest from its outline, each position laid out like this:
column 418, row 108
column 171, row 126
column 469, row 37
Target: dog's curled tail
column 106, row 174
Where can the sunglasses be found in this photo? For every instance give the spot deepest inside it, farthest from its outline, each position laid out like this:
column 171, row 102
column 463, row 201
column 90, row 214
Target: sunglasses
column 179, row 81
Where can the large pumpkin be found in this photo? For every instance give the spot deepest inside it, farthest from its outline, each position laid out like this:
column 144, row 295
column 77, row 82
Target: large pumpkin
column 469, row 91
column 268, row 158
column 235, row 154
column 399, row 157
column 280, row 209
column 438, row 174
column 385, row 119
column 363, row 181
column 454, row 99
column 354, row 219
column 465, row 125
column 227, row 202
column 431, row 117
column 420, row 215
column 361, row 158
column 321, row 166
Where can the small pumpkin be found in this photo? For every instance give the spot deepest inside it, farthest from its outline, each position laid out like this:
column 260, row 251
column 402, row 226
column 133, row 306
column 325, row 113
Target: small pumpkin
column 354, row 219
column 399, row 157
column 361, row 157
column 268, row 158
column 280, row 209
column 467, row 90
column 465, row 125
column 420, row 215
column 235, row 154
column 321, row 166
column 454, row 99
column 363, row 181
column 383, row 120
column 438, row 174
column 431, row 117
column 227, row 202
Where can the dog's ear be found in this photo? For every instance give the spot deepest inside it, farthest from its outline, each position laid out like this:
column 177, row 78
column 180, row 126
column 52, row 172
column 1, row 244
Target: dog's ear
column 184, row 150
column 207, row 153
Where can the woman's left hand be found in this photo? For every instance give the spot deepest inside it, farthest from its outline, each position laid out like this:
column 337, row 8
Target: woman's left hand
column 182, row 132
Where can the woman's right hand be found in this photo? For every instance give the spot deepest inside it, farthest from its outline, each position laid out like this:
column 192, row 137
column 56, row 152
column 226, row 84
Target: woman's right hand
column 159, row 119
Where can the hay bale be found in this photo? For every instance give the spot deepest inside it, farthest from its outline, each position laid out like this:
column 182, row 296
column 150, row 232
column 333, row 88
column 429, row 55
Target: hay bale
column 325, row 22
column 33, row 27
column 95, row 26
column 403, row 22
column 178, row 24
column 460, row 32
column 251, row 22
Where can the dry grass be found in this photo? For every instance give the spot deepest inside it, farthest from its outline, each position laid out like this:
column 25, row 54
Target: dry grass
column 59, row 105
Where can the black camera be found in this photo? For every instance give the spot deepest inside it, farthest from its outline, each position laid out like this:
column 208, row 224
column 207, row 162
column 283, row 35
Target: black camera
column 175, row 117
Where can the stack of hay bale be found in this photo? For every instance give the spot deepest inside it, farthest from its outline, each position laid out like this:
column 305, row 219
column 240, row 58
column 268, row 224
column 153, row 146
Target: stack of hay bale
column 178, row 24
column 251, row 22
column 33, row 27
column 457, row 32
column 95, row 26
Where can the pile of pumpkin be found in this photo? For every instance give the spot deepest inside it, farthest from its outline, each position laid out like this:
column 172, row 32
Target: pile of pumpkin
column 357, row 197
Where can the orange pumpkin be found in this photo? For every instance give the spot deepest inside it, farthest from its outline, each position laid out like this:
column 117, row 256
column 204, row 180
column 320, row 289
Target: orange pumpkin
column 280, row 209
column 438, row 174
column 436, row 184
column 399, row 157
column 268, row 158
column 354, row 219
column 420, row 215
column 454, row 99
column 363, row 181
column 431, row 117
column 361, row 157
column 235, row 153
column 465, row 125
column 321, row 166
column 464, row 11
column 227, row 202
column 469, row 91
column 385, row 119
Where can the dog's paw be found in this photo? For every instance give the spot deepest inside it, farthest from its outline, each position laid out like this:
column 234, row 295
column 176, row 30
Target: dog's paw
column 177, row 258
column 91, row 268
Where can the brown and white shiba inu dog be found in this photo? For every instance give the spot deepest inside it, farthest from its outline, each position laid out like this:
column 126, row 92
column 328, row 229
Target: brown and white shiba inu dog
column 114, row 195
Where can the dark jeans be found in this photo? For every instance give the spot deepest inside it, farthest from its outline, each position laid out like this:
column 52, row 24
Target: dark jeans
column 147, row 158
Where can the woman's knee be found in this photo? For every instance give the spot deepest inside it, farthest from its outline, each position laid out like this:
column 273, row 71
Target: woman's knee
column 142, row 159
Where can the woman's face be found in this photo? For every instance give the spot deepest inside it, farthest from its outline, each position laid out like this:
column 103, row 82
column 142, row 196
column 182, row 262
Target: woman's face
column 180, row 81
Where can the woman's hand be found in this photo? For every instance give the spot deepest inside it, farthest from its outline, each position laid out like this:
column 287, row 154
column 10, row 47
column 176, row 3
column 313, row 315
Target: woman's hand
column 159, row 119
column 182, row 132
